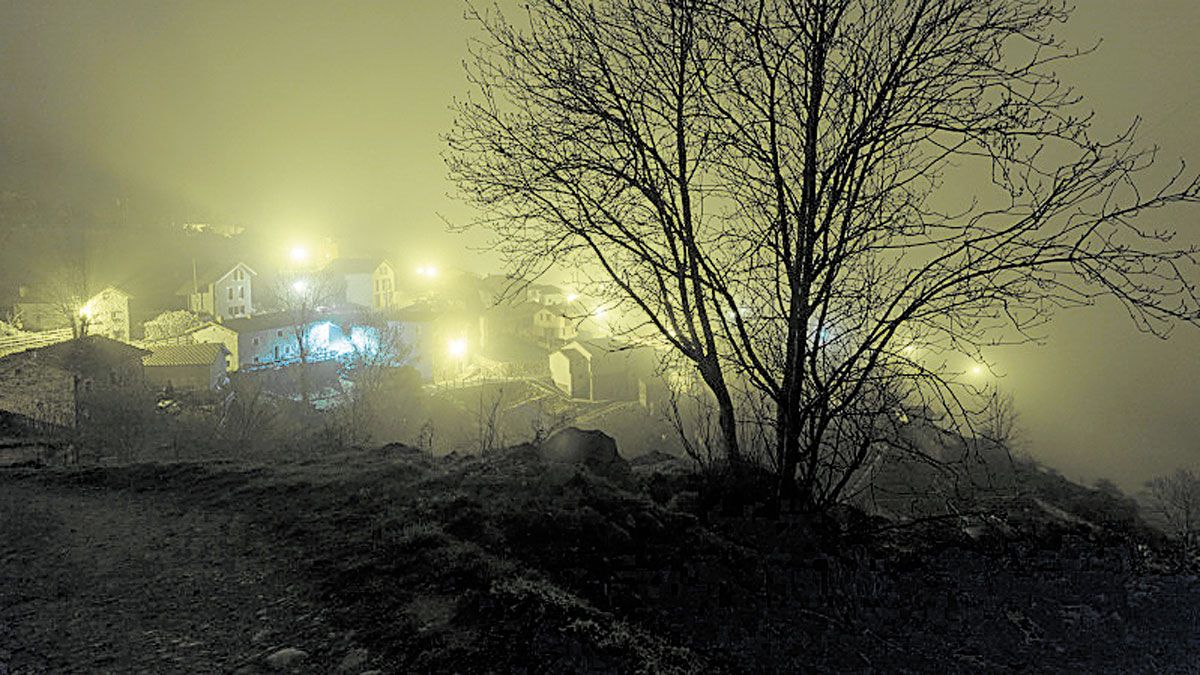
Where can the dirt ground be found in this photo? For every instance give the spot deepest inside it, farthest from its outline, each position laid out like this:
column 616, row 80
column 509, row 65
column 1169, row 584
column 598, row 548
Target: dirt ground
column 92, row 581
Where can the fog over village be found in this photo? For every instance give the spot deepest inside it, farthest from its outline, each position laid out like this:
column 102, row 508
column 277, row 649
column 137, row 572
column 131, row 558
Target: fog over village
column 599, row 336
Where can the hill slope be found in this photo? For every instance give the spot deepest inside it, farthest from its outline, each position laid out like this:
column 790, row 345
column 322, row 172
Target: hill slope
column 508, row 563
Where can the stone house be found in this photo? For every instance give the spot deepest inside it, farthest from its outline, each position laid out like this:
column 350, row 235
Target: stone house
column 58, row 385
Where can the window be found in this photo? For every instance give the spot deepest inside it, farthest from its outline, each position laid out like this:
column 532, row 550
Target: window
column 230, row 289
column 276, row 352
column 278, row 333
column 254, row 342
column 241, row 292
column 238, row 275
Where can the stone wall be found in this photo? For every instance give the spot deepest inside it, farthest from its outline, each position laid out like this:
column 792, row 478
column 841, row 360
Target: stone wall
column 40, row 392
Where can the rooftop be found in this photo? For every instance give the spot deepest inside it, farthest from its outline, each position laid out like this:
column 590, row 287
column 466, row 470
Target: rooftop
column 200, row 354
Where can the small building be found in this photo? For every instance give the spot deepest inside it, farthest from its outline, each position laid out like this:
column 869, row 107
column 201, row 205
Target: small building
column 606, row 370
column 217, row 333
column 221, row 292
column 195, row 367
column 57, row 385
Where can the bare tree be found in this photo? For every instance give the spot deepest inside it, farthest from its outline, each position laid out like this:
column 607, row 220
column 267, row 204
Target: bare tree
column 382, row 395
column 64, row 285
column 1175, row 500
column 171, row 325
column 823, row 201
column 248, row 414
column 304, row 298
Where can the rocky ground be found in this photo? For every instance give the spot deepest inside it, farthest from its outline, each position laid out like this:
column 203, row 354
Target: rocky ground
column 531, row 560
column 93, row 580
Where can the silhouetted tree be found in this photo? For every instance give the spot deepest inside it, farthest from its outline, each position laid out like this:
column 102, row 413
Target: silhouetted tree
column 1175, row 501
column 821, row 200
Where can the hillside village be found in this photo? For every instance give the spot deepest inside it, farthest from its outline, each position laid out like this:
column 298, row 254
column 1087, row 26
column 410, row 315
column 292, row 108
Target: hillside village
column 226, row 319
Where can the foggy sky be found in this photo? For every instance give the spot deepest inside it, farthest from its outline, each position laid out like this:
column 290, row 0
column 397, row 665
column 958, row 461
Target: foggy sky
column 297, row 118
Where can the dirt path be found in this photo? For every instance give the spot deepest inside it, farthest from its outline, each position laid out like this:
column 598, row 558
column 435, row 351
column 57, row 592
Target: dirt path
column 112, row 582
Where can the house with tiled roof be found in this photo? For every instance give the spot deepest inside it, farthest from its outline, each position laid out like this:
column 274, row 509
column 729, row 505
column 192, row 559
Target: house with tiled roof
column 197, row 367
column 57, row 385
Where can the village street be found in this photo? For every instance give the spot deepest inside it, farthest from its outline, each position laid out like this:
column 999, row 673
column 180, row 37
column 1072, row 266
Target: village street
column 104, row 581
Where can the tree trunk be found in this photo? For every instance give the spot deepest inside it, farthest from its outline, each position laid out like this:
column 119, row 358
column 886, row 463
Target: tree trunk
column 787, row 439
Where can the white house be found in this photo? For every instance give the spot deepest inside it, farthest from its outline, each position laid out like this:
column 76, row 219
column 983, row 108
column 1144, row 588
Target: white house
column 365, row 282
column 107, row 314
column 221, row 292
column 216, row 333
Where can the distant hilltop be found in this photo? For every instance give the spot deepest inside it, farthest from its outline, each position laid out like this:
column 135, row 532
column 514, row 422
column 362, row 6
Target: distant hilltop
column 221, row 230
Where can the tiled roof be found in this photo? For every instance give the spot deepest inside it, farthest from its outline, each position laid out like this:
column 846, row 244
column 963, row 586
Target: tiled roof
column 200, row 354
column 82, row 354
column 210, row 275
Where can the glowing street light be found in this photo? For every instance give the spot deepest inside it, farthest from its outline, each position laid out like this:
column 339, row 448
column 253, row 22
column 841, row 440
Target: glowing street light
column 300, row 286
column 85, row 312
column 572, row 297
column 299, row 254
column 457, row 348
column 977, row 370
column 427, row 271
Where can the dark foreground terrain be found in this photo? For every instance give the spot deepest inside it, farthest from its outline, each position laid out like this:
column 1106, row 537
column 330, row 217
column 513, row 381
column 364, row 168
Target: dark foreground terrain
column 395, row 561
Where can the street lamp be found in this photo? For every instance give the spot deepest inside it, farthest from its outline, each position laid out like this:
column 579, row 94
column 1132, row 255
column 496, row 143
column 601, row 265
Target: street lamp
column 300, row 286
column 457, row 348
column 299, row 254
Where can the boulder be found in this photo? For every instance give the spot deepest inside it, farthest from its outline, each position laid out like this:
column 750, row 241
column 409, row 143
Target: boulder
column 354, row 661
column 652, row 458
column 593, row 449
column 286, row 658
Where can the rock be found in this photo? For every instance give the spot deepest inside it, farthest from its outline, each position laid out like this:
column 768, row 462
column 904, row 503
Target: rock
column 653, row 457
column 354, row 661
column 286, row 658
column 595, row 450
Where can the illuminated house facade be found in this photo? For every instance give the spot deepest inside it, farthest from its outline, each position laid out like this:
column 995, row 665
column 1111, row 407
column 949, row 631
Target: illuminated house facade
column 221, row 292
column 270, row 340
column 107, row 314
